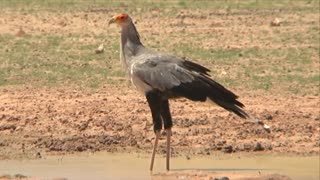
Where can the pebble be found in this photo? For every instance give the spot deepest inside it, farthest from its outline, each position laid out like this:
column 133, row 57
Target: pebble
column 38, row 155
column 275, row 22
column 258, row 147
column 219, row 178
column 100, row 49
column 227, row 149
column 269, row 117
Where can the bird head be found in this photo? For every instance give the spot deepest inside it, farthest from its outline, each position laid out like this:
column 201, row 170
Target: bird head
column 120, row 19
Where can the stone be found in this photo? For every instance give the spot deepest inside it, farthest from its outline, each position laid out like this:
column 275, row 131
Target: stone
column 258, row 147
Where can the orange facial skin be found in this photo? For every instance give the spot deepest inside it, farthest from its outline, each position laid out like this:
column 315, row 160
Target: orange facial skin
column 119, row 19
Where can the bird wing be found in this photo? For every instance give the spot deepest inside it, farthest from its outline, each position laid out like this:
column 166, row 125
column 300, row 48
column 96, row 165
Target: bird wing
column 183, row 78
column 165, row 72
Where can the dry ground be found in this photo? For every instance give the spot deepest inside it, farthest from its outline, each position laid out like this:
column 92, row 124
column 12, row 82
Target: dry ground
column 113, row 118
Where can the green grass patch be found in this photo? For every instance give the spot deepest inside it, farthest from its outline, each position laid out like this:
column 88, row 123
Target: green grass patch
column 61, row 5
column 53, row 60
column 296, row 70
column 225, row 56
column 284, row 59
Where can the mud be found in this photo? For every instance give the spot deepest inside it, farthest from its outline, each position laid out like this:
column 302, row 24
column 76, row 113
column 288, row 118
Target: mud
column 134, row 166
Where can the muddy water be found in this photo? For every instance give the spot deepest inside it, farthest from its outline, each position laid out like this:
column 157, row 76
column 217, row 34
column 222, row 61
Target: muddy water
column 135, row 166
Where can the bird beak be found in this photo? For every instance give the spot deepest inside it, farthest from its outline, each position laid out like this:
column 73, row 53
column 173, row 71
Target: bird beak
column 113, row 20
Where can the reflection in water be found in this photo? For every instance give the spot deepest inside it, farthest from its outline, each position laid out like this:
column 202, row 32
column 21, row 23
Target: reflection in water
column 135, row 166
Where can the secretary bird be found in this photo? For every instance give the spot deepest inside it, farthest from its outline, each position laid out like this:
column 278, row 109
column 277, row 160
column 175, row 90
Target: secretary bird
column 161, row 76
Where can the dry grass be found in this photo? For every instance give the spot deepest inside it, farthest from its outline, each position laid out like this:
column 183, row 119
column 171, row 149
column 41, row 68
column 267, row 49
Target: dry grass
column 233, row 38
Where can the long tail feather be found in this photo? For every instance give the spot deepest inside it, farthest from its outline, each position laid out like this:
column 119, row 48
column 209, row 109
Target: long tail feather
column 203, row 87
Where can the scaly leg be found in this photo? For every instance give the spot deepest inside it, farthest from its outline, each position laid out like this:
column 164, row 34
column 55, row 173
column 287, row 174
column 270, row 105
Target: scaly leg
column 168, row 148
column 154, row 150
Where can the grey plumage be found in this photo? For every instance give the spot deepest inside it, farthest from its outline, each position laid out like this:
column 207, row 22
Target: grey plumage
column 161, row 76
column 173, row 76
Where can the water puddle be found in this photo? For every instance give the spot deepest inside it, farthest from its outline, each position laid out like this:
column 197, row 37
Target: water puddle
column 135, row 166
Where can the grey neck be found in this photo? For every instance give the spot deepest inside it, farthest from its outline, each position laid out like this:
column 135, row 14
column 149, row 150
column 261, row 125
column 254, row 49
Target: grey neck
column 130, row 43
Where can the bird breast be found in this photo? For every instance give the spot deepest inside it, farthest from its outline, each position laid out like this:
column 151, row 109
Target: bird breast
column 139, row 84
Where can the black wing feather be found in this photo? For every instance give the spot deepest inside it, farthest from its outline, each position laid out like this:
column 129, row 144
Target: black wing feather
column 183, row 78
column 196, row 67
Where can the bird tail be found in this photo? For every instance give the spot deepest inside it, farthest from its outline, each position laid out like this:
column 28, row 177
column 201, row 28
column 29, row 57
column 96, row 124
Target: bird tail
column 224, row 97
column 203, row 88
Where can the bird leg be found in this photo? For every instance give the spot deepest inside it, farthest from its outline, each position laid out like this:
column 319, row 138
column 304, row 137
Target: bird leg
column 168, row 149
column 154, row 150
column 154, row 99
column 160, row 114
column 167, row 121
